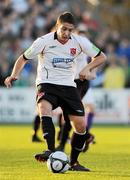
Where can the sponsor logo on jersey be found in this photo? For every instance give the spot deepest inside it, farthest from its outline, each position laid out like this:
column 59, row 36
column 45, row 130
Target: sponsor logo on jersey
column 62, row 62
column 59, row 60
column 72, row 51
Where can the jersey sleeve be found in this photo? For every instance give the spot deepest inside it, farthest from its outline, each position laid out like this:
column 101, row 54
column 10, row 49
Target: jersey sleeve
column 88, row 47
column 35, row 49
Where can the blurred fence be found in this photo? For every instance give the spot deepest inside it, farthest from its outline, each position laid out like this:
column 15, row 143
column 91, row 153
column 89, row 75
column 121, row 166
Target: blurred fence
column 111, row 106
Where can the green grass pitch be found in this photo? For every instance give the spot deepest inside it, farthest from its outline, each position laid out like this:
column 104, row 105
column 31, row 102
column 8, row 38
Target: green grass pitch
column 109, row 158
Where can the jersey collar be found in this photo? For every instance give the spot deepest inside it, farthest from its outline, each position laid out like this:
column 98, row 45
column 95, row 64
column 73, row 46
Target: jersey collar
column 55, row 36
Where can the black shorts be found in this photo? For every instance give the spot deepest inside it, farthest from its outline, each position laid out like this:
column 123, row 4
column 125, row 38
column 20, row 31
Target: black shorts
column 67, row 97
column 82, row 87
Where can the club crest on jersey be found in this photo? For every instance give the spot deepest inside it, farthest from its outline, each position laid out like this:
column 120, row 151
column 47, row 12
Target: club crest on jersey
column 72, row 51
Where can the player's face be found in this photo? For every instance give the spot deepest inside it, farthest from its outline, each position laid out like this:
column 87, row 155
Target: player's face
column 64, row 31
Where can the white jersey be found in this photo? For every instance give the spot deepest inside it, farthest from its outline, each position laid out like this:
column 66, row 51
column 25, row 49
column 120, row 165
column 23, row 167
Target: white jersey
column 56, row 61
column 81, row 62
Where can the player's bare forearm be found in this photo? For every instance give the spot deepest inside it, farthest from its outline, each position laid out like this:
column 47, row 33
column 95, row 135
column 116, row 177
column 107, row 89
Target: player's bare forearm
column 18, row 66
column 96, row 62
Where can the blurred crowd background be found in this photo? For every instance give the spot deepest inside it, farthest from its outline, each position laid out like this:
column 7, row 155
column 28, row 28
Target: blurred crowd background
column 106, row 23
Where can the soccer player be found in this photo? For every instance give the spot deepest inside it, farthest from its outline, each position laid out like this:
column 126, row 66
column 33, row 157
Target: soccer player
column 55, row 82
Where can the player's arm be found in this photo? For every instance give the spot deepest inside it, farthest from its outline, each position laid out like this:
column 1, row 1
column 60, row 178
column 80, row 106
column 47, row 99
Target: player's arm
column 30, row 53
column 18, row 66
column 97, row 56
column 98, row 60
column 87, row 71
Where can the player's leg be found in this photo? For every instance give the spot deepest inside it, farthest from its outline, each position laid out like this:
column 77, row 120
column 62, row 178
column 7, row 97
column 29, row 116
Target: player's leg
column 48, row 129
column 36, row 126
column 90, row 137
column 60, row 125
column 45, row 109
column 45, row 106
column 90, row 118
column 77, row 142
column 83, row 88
column 65, row 130
column 88, row 101
column 75, row 109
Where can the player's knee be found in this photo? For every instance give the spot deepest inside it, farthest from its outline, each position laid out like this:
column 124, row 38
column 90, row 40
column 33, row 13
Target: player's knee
column 80, row 127
column 44, row 109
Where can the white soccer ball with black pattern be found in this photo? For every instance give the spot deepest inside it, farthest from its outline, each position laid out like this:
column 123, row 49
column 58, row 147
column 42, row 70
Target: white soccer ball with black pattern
column 58, row 162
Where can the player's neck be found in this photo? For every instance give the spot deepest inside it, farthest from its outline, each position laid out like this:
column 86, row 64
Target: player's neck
column 62, row 42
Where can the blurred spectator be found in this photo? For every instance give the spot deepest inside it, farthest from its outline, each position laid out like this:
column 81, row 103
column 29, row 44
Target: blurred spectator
column 20, row 6
column 114, row 75
column 124, row 49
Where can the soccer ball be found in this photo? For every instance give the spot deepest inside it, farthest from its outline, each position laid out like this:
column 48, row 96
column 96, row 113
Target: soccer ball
column 58, row 162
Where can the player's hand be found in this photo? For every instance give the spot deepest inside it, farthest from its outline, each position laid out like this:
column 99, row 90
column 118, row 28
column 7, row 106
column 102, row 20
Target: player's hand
column 82, row 77
column 88, row 74
column 84, row 74
column 91, row 75
column 9, row 80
